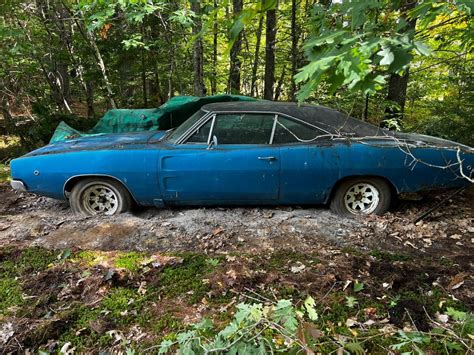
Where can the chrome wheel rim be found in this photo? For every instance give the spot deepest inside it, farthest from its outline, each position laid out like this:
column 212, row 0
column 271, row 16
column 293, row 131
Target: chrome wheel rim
column 361, row 198
column 100, row 199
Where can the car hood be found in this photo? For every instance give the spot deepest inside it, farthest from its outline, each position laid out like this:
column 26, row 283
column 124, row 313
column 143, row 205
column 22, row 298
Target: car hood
column 100, row 142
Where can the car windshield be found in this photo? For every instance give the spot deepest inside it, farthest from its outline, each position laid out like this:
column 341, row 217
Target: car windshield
column 178, row 132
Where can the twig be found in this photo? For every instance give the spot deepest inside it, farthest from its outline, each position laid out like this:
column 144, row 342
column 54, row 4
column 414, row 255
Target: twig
column 438, row 205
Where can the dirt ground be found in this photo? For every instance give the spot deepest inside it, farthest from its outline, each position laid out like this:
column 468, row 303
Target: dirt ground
column 83, row 283
column 30, row 220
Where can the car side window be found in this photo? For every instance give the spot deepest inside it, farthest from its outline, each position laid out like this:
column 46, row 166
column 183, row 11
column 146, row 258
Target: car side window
column 243, row 128
column 202, row 134
column 290, row 131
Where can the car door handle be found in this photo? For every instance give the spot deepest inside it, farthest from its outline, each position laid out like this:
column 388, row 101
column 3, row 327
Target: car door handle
column 267, row 158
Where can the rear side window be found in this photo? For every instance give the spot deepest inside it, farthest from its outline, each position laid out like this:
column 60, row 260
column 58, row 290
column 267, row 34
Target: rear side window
column 290, row 131
column 243, row 128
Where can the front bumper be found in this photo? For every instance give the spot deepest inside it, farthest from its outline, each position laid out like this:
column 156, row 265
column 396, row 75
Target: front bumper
column 18, row 185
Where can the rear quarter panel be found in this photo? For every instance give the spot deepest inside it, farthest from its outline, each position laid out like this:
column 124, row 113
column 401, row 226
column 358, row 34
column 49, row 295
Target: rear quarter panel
column 420, row 168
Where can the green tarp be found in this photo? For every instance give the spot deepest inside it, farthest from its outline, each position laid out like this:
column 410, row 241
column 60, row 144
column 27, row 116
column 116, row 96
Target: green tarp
column 169, row 115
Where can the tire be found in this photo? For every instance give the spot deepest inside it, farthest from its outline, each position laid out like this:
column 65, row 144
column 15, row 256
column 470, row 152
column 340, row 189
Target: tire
column 99, row 196
column 361, row 196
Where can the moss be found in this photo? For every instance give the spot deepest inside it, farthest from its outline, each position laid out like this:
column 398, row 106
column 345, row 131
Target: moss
column 36, row 259
column 385, row 256
column 335, row 309
column 10, row 294
column 166, row 323
column 130, row 261
column 186, row 279
column 284, row 258
column 87, row 256
column 127, row 260
column 16, row 264
column 123, row 304
column 79, row 332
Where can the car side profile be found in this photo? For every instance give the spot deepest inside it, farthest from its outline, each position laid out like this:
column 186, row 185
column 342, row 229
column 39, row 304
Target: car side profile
column 245, row 153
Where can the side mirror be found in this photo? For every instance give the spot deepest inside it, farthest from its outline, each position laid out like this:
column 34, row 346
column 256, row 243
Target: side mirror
column 213, row 142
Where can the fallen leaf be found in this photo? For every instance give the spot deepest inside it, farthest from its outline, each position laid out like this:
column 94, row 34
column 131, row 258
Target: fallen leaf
column 443, row 318
column 297, row 268
column 351, row 322
column 6, row 332
column 217, row 231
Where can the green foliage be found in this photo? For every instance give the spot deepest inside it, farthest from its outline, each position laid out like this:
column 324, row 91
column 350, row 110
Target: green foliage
column 358, row 286
column 455, row 314
column 351, row 302
column 250, row 331
column 367, row 44
column 4, row 173
column 281, row 327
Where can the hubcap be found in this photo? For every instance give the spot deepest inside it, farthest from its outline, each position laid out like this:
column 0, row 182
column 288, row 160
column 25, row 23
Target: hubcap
column 361, row 198
column 100, row 199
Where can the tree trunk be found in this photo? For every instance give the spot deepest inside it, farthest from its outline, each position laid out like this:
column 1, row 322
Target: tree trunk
column 270, row 54
column 397, row 85
column 90, row 38
column 235, row 64
column 256, row 57
column 57, row 70
column 144, row 87
column 198, row 57
column 100, row 62
column 214, row 52
column 280, row 84
column 294, row 49
column 90, row 98
column 155, row 85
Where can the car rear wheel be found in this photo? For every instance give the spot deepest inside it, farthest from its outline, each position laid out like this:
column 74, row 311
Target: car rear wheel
column 362, row 196
column 94, row 196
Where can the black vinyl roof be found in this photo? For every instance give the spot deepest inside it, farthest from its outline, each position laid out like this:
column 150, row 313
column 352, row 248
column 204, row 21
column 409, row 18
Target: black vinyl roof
column 328, row 119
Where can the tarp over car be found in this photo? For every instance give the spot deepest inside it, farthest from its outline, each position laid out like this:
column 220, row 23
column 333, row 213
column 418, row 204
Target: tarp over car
column 169, row 115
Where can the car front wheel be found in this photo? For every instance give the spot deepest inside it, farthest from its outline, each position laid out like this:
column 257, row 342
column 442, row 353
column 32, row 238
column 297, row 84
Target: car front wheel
column 93, row 196
column 362, row 196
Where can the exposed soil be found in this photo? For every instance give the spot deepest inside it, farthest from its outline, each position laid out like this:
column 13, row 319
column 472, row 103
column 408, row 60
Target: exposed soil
column 282, row 252
column 29, row 220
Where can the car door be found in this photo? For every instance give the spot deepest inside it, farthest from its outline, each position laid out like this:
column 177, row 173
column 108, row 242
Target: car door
column 240, row 166
column 306, row 168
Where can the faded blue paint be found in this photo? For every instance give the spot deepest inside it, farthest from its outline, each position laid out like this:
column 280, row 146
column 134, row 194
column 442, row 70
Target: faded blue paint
column 190, row 174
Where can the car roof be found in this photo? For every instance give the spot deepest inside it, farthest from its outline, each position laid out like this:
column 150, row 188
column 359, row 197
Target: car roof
column 326, row 118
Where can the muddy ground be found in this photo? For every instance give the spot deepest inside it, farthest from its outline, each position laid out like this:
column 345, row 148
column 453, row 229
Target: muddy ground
column 29, row 220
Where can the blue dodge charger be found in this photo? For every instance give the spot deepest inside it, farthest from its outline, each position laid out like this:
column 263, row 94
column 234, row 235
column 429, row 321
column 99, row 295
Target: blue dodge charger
column 246, row 153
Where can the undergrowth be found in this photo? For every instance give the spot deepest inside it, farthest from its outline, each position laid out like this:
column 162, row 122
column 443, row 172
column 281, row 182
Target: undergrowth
column 144, row 305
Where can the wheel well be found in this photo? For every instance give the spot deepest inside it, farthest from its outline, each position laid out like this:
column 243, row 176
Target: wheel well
column 69, row 185
column 393, row 189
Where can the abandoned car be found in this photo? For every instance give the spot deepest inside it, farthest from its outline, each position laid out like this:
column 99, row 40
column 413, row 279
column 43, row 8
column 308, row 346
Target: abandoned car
column 245, row 153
